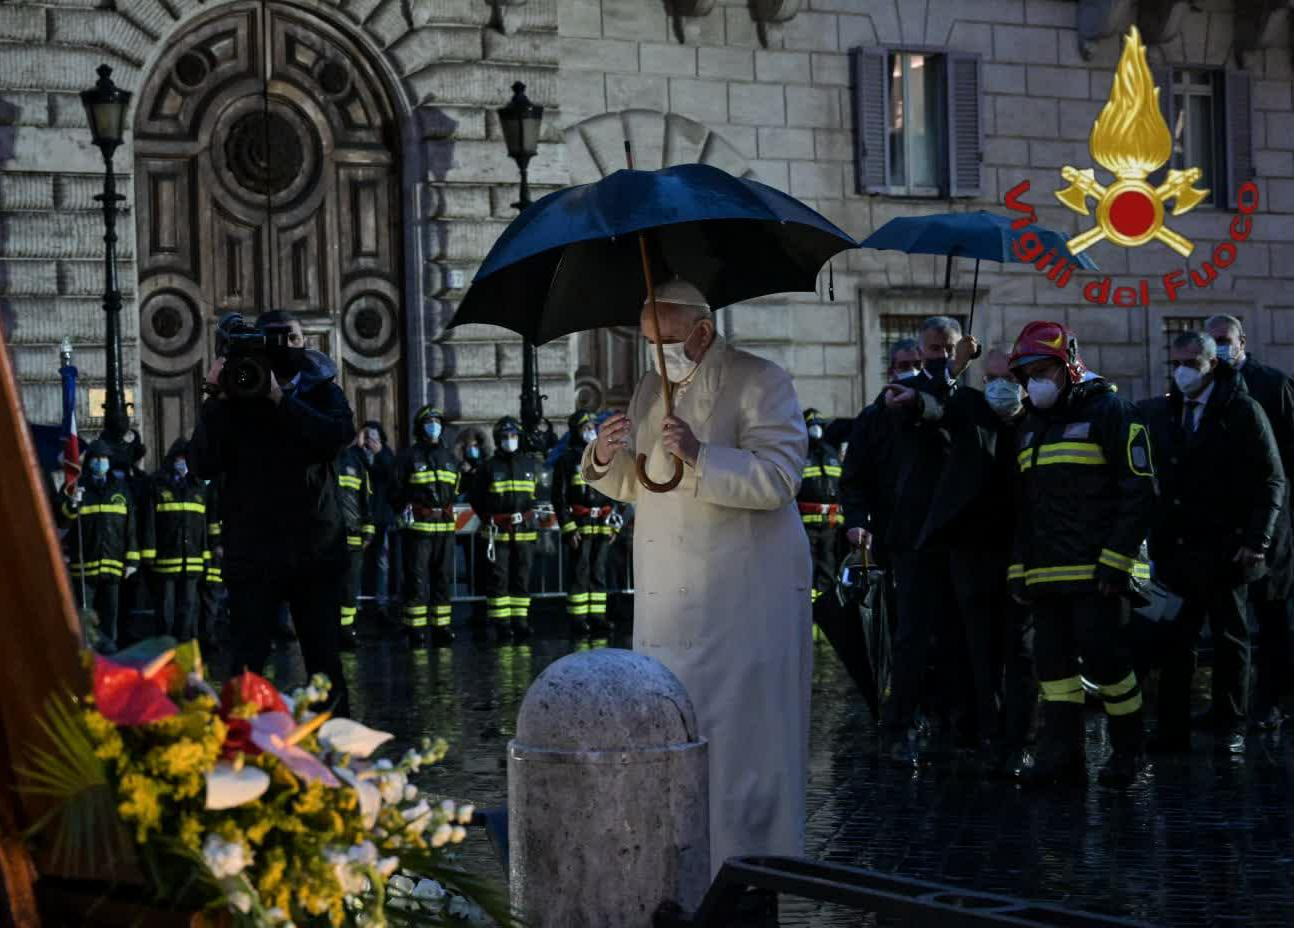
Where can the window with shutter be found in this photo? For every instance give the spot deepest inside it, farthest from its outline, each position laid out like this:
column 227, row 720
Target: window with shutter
column 965, row 128
column 1239, row 137
column 870, row 92
column 918, row 126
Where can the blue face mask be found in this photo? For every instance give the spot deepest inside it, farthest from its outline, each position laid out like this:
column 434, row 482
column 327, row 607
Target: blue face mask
column 432, row 429
column 98, row 468
column 1226, row 354
column 473, row 453
column 181, row 468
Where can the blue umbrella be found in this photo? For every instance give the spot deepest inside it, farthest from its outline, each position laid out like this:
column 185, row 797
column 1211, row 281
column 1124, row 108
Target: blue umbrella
column 981, row 235
column 573, row 261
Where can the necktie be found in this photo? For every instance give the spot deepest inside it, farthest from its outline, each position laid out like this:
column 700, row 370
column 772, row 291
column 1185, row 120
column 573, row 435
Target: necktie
column 1189, row 419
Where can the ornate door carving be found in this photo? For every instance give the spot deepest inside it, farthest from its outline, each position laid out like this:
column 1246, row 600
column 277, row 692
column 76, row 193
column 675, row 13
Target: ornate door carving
column 608, row 365
column 248, row 199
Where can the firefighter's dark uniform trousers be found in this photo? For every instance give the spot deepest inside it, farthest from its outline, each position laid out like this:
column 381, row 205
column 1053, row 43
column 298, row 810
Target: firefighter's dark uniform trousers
column 583, row 511
column 353, row 491
column 174, row 549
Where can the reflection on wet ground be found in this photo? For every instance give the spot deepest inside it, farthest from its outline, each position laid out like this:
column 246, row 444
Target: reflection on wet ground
column 1205, row 842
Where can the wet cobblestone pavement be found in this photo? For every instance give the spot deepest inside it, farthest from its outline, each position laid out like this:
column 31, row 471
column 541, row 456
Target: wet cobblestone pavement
column 1205, row 841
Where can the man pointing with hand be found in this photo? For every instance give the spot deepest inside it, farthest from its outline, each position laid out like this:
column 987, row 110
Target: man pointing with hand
column 721, row 564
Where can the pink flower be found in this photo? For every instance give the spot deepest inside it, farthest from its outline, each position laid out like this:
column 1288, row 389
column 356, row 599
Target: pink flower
column 275, row 733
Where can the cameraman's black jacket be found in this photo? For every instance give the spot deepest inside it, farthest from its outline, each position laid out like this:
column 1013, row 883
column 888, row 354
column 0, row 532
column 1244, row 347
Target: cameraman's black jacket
column 279, row 507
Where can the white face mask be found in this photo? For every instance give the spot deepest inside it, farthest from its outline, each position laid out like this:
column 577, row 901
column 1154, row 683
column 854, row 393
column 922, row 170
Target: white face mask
column 815, row 431
column 678, row 366
column 1043, row 392
column 589, row 436
column 900, row 376
column 1003, row 396
column 510, row 445
column 1189, row 380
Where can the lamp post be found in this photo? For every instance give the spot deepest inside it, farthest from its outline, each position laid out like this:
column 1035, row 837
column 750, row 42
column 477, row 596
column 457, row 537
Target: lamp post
column 520, row 121
column 105, row 106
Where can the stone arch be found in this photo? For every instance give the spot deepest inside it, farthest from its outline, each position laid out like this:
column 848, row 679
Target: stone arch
column 609, row 362
column 596, row 146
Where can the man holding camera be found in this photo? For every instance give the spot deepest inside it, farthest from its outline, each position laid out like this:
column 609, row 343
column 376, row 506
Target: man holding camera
column 272, row 427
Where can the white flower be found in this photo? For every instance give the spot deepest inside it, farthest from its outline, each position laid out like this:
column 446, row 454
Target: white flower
column 465, row 814
column 276, row 916
column 241, row 901
column 224, row 858
column 459, row 834
column 384, row 764
column 392, row 786
column 349, row 877
column 441, row 836
column 466, row 909
column 400, row 885
column 387, row 866
column 410, row 793
column 428, row 891
column 364, row 854
column 449, row 808
column 229, row 785
column 349, row 737
column 370, row 799
column 412, row 759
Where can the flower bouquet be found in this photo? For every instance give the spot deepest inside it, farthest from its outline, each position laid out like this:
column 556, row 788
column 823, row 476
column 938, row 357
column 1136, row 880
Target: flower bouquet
column 249, row 801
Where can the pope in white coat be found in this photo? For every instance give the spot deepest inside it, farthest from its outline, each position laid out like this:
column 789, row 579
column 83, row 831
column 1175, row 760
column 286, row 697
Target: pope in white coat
column 722, row 570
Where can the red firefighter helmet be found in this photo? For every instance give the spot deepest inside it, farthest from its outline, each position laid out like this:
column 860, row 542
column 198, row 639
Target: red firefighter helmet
column 1048, row 340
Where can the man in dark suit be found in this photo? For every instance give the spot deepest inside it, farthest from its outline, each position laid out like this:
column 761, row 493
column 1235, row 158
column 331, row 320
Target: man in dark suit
column 1269, row 596
column 1207, row 435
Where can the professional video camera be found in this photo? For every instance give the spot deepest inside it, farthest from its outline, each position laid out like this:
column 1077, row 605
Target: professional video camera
column 249, row 355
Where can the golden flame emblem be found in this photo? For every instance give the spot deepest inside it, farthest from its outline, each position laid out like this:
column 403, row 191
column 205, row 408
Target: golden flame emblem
column 1131, row 140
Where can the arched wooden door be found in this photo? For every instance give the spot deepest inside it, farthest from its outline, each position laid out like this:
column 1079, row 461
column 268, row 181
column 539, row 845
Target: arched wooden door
column 251, row 197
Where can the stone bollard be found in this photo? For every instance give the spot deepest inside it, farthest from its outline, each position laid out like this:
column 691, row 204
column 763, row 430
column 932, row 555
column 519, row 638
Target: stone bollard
column 608, row 808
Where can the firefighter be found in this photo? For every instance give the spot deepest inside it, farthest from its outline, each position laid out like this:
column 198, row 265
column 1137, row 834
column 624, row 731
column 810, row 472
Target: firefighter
column 426, row 482
column 503, row 496
column 101, row 542
column 173, row 541
column 211, row 592
column 587, row 520
column 819, row 502
column 1086, row 492
column 354, row 494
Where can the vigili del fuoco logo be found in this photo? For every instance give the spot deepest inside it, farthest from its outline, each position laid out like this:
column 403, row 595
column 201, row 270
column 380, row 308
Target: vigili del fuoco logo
column 1131, row 140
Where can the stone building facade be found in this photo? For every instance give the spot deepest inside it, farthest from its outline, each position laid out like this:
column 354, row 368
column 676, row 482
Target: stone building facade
column 387, row 179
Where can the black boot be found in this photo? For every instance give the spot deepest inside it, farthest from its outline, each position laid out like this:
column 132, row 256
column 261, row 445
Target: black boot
column 1127, row 758
column 1059, row 758
column 442, row 635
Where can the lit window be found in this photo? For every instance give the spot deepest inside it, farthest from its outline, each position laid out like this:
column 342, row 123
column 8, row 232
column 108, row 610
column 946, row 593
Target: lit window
column 1197, row 126
column 915, row 125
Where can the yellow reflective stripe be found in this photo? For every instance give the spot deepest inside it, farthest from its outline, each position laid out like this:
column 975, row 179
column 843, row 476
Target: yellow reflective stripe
column 447, row 476
column 367, row 528
column 148, row 553
column 814, row 471
column 213, row 528
column 182, row 507
column 104, row 508
column 513, row 486
column 1070, row 452
column 812, row 518
column 1122, row 688
column 1137, row 430
column 568, row 527
column 577, row 480
column 595, row 530
column 1127, row 707
column 578, row 597
column 1117, row 561
column 349, row 482
column 1015, row 572
column 522, row 536
column 354, row 541
column 1060, row 574
column 1070, row 689
column 832, row 471
column 426, row 476
column 431, row 527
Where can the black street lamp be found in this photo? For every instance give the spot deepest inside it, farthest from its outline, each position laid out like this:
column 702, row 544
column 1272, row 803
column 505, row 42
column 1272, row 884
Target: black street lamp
column 106, row 105
column 520, row 121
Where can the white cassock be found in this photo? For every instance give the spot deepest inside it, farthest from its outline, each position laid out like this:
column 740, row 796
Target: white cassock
column 722, row 574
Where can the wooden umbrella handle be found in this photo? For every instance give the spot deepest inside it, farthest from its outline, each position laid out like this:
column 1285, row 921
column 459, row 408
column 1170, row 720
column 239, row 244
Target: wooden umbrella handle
column 668, row 387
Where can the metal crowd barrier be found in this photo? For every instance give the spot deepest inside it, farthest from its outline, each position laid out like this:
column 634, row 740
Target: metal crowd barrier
column 901, row 900
column 548, row 576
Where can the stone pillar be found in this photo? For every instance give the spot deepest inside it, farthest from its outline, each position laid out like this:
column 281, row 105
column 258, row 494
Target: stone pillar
column 608, row 809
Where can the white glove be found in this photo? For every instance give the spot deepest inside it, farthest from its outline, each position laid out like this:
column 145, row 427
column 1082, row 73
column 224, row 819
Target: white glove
column 130, row 571
column 77, row 495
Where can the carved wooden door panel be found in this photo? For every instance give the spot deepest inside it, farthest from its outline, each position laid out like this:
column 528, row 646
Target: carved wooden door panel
column 266, row 176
